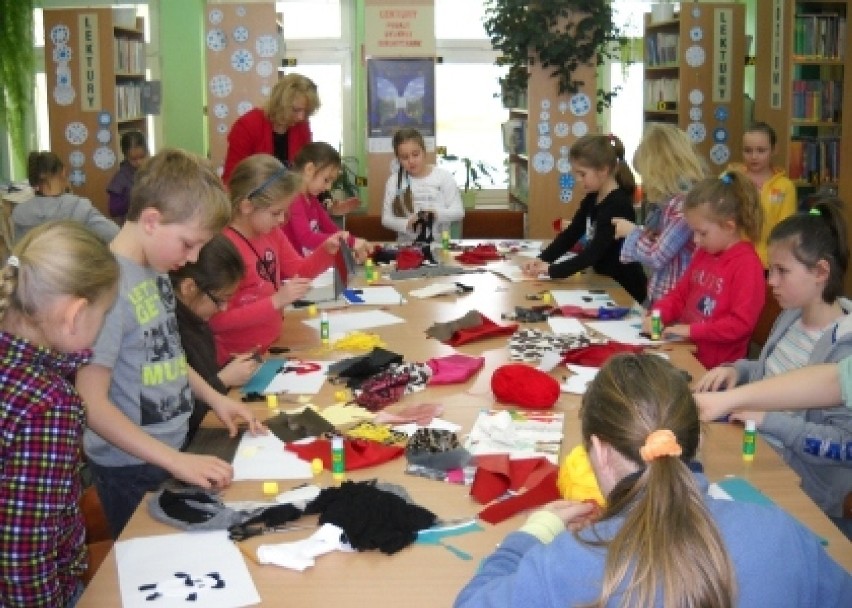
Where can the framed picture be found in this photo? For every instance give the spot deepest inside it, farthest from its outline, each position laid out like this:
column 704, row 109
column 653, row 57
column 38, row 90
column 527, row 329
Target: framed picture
column 401, row 93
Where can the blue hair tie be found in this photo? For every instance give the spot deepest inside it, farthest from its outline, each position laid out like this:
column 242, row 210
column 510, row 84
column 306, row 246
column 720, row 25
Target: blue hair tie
column 726, row 178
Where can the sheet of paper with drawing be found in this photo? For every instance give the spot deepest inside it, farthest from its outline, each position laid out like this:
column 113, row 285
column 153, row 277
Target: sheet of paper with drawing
column 578, row 381
column 520, row 434
column 264, row 457
column 185, row 569
column 379, row 295
column 341, row 323
column 581, row 297
column 294, row 376
column 623, row 330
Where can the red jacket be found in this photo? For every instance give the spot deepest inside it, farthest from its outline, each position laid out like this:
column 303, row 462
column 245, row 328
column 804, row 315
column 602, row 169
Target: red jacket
column 720, row 297
column 252, row 134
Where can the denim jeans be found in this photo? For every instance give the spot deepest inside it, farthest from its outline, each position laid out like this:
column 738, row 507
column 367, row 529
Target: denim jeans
column 121, row 489
column 76, row 597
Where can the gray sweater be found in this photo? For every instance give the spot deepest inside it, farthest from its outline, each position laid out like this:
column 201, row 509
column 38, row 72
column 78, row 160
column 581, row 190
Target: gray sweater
column 816, row 443
column 41, row 209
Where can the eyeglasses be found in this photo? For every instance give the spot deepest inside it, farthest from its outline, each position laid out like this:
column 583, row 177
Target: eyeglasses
column 259, row 190
column 219, row 302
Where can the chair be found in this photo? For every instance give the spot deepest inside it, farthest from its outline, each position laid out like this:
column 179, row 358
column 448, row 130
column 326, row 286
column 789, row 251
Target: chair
column 770, row 312
column 493, row 224
column 369, row 227
column 98, row 535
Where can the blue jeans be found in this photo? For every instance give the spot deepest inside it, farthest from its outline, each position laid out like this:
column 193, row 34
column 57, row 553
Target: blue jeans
column 121, row 489
column 76, row 597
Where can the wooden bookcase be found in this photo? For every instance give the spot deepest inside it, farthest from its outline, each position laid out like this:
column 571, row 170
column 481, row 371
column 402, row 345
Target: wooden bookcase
column 95, row 67
column 694, row 74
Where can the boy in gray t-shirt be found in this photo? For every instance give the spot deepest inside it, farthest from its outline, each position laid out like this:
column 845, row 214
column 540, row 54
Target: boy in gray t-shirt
column 138, row 389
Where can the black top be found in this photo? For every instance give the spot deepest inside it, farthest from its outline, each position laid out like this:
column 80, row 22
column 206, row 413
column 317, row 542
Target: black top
column 602, row 251
column 281, row 147
column 200, row 349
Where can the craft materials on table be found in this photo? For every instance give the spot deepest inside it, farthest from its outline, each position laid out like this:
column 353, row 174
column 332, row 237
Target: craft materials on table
column 512, row 272
column 584, row 298
column 578, row 381
column 380, row 295
column 185, row 569
column 293, row 376
column 342, row 323
column 521, row 434
column 263, row 457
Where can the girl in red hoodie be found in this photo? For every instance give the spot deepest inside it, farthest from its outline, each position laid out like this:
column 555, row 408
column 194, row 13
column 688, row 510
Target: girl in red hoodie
column 717, row 302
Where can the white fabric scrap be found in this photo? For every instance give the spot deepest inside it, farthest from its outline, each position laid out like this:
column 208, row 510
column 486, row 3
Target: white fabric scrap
column 302, row 554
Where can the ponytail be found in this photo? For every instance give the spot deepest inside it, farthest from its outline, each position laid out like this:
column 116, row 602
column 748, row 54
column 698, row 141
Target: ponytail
column 732, row 196
column 605, row 152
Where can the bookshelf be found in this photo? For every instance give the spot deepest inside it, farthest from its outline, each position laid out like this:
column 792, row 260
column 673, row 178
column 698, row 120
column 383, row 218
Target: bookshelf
column 95, row 67
column 694, row 73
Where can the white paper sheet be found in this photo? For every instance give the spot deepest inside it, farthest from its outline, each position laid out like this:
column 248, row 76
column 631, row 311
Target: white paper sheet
column 566, row 326
column 524, row 435
column 574, row 297
column 380, row 295
column 578, row 381
column 264, row 457
column 299, row 384
column 513, row 272
column 162, row 565
column 623, row 330
column 341, row 323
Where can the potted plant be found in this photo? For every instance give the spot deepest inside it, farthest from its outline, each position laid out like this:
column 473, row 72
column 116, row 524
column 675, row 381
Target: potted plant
column 345, row 189
column 561, row 35
column 475, row 174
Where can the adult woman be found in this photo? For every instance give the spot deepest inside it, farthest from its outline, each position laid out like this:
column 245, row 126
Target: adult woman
column 661, row 541
column 280, row 128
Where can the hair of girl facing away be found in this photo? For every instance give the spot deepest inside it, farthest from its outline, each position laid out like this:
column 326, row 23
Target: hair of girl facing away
column 283, row 95
column 263, row 180
column 320, row 154
column 403, row 206
column 604, row 152
column 57, row 258
column 219, row 266
column 818, row 235
column 41, row 166
column 766, row 129
column 667, row 162
column 132, row 139
column 732, row 196
column 182, row 187
column 668, row 542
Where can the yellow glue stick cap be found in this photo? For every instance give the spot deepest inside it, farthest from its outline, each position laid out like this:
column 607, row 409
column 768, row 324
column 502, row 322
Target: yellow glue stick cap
column 312, row 310
column 317, row 466
column 272, row 401
column 270, row 488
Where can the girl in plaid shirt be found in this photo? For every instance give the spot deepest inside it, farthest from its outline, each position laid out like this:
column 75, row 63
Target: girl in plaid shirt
column 55, row 290
column 669, row 167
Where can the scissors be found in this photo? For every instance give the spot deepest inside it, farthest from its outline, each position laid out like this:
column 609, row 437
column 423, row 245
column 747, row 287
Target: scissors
column 241, row 532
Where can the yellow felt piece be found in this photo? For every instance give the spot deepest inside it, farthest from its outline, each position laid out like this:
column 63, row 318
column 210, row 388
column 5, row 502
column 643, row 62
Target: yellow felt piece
column 576, row 480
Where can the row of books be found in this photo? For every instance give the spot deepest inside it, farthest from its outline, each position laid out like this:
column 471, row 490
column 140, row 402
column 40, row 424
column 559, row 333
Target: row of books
column 515, row 136
column 129, row 56
column 128, row 101
column 661, row 49
column 519, row 180
column 819, row 100
column 661, row 90
column 815, row 160
column 819, row 35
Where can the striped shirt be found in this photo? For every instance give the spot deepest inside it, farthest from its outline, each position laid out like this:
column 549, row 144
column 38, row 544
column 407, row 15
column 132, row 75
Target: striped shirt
column 42, row 537
column 793, row 349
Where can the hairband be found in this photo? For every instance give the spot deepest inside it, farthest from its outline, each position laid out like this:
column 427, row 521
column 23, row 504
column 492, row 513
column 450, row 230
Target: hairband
column 13, row 261
column 661, row 442
column 280, row 173
column 726, row 178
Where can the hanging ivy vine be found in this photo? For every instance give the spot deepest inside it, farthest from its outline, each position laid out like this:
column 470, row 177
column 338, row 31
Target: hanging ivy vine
column 16, row 69
column 561, row 35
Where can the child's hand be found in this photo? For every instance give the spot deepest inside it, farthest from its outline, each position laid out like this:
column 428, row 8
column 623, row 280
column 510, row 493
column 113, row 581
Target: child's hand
column 208, row 472
column 332, row 243
column 718, row 379
column 533, row 268
column 623, row 227
column 239, row 369
column 290, row 291
column 345, row 206
column 411, row 221
column 679, row 330
column 743, row 415
column 712, row 406
column 230, row 412
column 646, row 324
column 574, row 515
column 362, row 250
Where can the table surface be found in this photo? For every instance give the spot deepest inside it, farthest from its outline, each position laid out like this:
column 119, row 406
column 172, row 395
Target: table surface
column 431, row 575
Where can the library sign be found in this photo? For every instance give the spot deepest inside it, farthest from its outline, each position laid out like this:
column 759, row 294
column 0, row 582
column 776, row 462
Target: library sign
column 397, row 29
column 90, row 63
column 722, row 22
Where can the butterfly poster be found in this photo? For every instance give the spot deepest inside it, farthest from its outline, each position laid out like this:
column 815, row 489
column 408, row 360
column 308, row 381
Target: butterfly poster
column 401, row 94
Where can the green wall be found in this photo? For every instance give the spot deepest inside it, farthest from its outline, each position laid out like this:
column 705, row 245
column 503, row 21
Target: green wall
column 181, row 26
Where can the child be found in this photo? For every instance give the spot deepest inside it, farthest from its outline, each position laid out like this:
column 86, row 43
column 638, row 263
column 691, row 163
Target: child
column 52, row 201
column 261, row 189
column 54, row 292
column 134, row 148
column 203, row 288
column 139, row 389
column 717, row 301
column 669, row 166
column 661, row 540
column 309, row 224
column 598, row 161
column 417, row 189
column 777, row 192
column 814, row 442
column 808, row 257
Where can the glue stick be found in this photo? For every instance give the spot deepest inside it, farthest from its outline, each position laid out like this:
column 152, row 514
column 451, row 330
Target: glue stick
column 749, row 439
column 338, row 459
column 324, row 327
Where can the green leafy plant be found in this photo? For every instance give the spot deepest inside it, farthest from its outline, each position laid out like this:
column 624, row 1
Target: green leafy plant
column 347, row 179
column 16, row 70
column 561, row 35
column 475, row 171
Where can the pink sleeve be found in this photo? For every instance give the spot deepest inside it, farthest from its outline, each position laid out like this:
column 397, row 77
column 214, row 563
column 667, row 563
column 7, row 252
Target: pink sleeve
column 293, row 264
column 256, row 313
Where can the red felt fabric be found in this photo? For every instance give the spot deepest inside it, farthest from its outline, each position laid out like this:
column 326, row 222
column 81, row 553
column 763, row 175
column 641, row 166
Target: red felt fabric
column 409, row 258
column 454, row 368
column 598, row 354
column 479, row 255
column 497, row 473
column 359, row 453
column 488, row 329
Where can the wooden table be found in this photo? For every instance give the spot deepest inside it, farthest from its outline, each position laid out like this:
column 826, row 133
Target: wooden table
column 424, row 575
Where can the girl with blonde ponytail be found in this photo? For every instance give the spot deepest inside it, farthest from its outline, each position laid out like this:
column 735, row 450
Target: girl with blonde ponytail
column 661, row 540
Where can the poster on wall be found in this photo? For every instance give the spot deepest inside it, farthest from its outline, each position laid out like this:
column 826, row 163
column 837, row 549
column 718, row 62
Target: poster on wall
column 401, row 93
